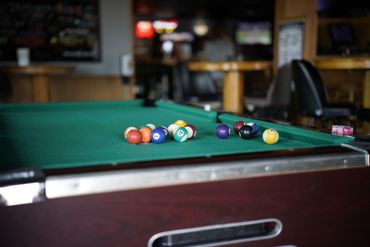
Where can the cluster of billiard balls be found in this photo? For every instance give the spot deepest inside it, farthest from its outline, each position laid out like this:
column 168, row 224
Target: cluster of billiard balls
column 247, row 131
column 180, row 131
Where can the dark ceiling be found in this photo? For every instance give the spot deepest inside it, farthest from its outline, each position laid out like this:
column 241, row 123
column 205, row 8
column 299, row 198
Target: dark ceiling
column 240, row 9
column 343, row 8
column 218, row 9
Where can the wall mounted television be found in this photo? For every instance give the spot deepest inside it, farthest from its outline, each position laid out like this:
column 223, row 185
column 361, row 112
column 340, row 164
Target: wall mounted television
column 342, row 34
column 54, row 30
column 253, row 33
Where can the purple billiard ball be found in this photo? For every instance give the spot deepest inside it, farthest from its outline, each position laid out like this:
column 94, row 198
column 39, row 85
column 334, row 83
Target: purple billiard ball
column 223, row 131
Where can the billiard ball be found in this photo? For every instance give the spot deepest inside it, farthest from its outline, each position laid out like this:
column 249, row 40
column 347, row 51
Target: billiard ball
column 255, row 128
column 192, row 131
column 128, row 129
column 145, row 134
column 246, row 132
column 158, row 136
column 180, row 123
column 151, row 126
column 237, row 126
column 172, row 128
column 270, row 136
column 165, row 130
column 180, row 134
column 134, row 137
column 223, row 131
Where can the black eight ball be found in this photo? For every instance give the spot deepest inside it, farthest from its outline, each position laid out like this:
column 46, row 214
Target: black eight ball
column 246, row 132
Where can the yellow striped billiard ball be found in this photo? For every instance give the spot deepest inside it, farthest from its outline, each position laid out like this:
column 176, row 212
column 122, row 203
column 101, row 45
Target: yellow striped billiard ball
column 270, row 136
column 181, row 123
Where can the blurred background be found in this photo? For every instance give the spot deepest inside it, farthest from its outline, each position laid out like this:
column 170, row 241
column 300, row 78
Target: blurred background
column 222, row 55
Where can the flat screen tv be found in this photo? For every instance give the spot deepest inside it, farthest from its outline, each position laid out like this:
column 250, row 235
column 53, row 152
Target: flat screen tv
column 253, row 33
column 342, row 34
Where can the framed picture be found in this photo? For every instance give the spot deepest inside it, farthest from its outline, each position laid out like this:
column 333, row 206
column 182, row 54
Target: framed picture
column 291, row 36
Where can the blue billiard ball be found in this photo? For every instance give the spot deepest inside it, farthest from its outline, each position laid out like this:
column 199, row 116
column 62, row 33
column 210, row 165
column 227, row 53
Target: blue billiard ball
column 158, row 135
column 255, row 128
column 223, row 131
column 165, row 130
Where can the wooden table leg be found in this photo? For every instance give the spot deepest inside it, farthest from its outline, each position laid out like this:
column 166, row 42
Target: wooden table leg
column 40, row 88
column 366, row 94
column 233, row 91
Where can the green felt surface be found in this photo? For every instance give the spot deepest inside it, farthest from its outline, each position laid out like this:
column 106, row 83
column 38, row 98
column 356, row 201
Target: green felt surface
column 60, row 135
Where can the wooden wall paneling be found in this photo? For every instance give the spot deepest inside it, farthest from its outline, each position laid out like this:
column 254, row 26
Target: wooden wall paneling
column 74, row 88
column 22, row 91
column 290, row 9
column 343, row 85
column 366, row 94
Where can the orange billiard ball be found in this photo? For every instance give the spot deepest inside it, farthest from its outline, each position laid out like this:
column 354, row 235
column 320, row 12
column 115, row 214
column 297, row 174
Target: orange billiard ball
column 145, row 134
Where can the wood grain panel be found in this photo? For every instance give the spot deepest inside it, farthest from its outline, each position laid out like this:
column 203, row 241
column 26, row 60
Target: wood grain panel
column 290, row 9
column 73, row 88
column 327, row 208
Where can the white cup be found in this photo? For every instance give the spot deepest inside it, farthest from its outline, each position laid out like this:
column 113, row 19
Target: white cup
column 23, row 56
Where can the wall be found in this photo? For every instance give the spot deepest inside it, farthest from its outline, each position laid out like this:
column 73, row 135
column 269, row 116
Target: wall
column 116, row 35
column 291, row 9
column 92, row 81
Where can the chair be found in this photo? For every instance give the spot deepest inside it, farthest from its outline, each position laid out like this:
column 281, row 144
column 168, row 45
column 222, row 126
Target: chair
column 276, row 103
column 197, row 88
column 312, row 96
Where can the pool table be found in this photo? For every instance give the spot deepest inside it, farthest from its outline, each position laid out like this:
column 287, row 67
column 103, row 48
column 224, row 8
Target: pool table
column 69, row 178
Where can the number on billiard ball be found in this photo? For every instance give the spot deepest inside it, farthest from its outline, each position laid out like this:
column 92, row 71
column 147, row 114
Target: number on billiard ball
column 180, row 135
column 158, row 135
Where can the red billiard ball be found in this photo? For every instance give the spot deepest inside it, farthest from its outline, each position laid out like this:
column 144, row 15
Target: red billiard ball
column 192, row 131
column 128, row 129
column 237, row 126
column 134, row 137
